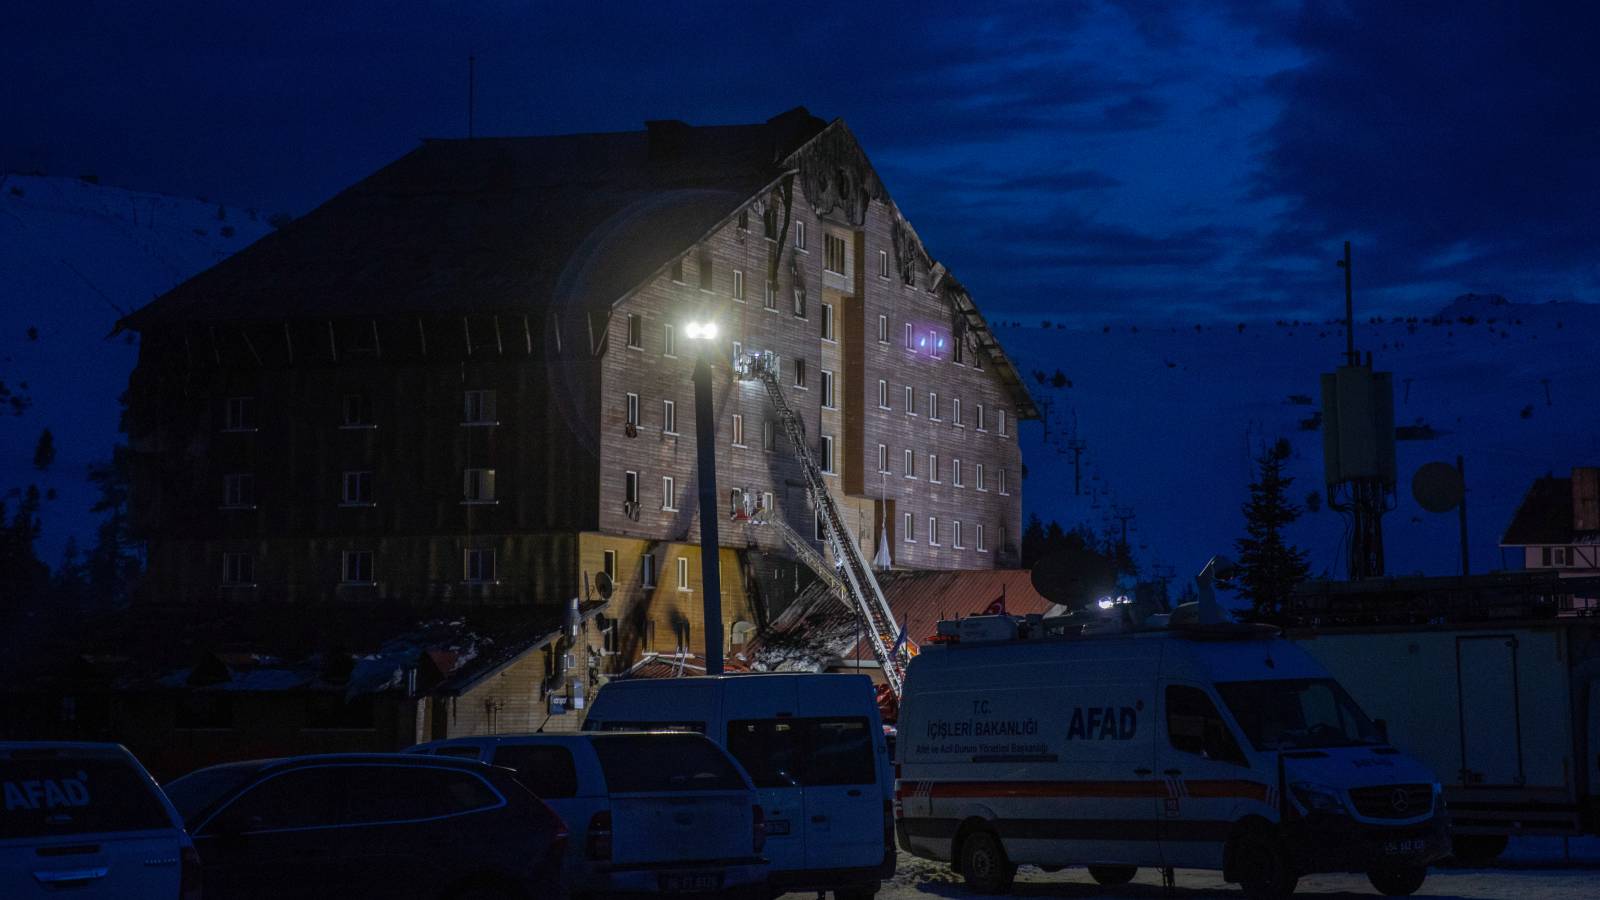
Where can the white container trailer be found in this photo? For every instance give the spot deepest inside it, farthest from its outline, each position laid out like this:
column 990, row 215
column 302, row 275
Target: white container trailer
column 1506, row 713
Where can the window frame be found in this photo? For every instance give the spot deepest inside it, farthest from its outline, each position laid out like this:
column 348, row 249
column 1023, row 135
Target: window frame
column 348, row 556
column 827, row 323
column 485, row 477
column 825, row 381
column 909, row 463
column 669, row 340
column 933, row 469
column 630, row 411
column 909, row 526
column 669, row 417
column 239, row 414
column 883, row 329
column 933, row 532
column 363, row 496
column 238, row 568
column 883, row 394
column 239, row 490
column 480, row 408
column 825, row 450
column 738, row 430
column 669, row 493
column 684, row 583
column 468, row 554
column 633, row 339
column 738, row 285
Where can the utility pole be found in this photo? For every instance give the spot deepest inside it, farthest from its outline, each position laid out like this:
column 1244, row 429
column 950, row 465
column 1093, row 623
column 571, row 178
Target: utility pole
column 1122, row 514
column 705, row 429
column 1077, row 447
column 1350, row 358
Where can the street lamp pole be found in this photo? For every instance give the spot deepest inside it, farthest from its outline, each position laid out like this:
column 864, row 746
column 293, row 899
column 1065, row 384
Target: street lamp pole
column 705, row 435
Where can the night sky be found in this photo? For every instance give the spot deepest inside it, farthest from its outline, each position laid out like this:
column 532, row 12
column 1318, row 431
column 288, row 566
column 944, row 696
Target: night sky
column 1112, row 160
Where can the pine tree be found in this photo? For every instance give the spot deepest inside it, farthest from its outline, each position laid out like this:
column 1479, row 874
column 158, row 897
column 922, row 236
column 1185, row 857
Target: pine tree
column 44, row 452
column 1268, row 568
column 114, row 563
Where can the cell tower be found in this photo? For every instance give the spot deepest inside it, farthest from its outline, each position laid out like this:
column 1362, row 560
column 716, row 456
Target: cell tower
column 1358, row 444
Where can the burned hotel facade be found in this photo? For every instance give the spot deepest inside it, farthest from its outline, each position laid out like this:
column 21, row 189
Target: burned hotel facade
column 466, row 379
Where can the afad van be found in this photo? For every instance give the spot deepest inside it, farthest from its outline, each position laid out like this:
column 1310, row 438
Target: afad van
column 814, row 746
column 1221, row 747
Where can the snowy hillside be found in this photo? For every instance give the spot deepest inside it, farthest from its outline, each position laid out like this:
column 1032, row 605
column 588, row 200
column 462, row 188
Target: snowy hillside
column 1171, row 416
column 75, row 256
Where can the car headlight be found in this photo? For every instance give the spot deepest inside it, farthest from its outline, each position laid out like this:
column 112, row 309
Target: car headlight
column 1317, row 798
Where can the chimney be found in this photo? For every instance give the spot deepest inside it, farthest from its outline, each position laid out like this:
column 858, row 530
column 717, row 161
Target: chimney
column 1586, row 499
column 667, row 138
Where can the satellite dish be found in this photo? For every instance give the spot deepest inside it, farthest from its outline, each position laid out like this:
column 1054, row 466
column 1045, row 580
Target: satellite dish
column 1437, row 487
column 1071, row 579
column 603, row 585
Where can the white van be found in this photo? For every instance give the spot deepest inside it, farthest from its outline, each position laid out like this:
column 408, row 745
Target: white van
column 814, row 746
column 1204, row 746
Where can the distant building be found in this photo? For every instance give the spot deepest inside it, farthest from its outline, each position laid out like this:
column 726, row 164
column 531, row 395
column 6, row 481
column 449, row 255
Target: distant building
column 1557, row 527
column 465, row 381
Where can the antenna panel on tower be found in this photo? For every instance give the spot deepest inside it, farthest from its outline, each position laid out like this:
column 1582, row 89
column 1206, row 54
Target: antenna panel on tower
column 1358, row 425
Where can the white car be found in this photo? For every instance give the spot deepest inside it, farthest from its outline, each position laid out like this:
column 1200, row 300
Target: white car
column 667, row 813
column 87, row 820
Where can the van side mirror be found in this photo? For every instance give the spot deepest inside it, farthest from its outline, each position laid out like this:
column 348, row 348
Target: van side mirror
column 1382, row 725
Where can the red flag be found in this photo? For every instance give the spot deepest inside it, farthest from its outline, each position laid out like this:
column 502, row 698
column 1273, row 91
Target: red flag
column 998, row 607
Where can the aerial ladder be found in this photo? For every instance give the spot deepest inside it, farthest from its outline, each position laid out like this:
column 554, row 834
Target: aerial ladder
column 850, row 577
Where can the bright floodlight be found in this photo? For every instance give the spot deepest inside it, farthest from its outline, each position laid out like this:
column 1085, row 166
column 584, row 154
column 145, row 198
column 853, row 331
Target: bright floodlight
column 701, row 330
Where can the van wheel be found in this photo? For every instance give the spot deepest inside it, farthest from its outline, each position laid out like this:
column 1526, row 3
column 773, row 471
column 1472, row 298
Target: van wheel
column 1477, row 849
column 984, row 865
column 1398, row 882
column 1262, row 866
column 1111, row 876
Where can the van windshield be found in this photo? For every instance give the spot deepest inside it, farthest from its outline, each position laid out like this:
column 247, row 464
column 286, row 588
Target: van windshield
column 1298, row 713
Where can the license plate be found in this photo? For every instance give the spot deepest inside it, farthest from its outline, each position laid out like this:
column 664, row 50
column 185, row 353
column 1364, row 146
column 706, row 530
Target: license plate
column 1397, row 848
column 691, row 882
column 777, row 826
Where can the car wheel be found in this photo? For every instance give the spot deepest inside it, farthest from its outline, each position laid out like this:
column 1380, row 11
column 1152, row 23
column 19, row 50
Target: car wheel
column 864, row 892
column 984, row 865
column 1111, row 876
column 1262, row 866
column 1398, row 882
column 1477, row 849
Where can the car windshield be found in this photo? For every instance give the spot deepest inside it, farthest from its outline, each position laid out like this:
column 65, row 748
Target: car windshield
column 197, row 792
column 1298, row 713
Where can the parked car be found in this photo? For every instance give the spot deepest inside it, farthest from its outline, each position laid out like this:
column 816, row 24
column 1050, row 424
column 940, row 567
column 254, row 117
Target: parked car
column 380, row 825
column 659, row 812
column 87, row 820
column 815, row 748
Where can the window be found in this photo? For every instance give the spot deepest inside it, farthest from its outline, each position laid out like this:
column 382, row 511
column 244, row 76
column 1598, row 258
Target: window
column 1000, row 421
column 825, row 450
column 239, row 414
column 883, row 394
column 1194, row 726
column 744, row 220
column 883, row 264
column 909, row 275
column 735, row 501
column 356, row 411
column 933, row 531
column 669, row 493
column 478, row 408
column 478, row 565
column 766, row 501
column 827, row 321
column 477, row 486
column 738, row 351
column 955, row 536
column 770, row 300
column 357, row 567
column 706, row 269
column 978, row 477
column 630, row 488
column 827, row 389
column 933, row 406
column 981, row 423
column 1000, row 478
column 769, row 435
column 955, row 473
column 933, row 468
column 669, row 417
column 911, row 401
column 608, row 564
column 647, row 572
column 358, row 489
column 909, row 528
column 833, row 253
column 982, row 547
column 955, row 412
column 683, row 573
column 883, row 329
column 238, row 568
column 306, row 798
column 799, row 373
column 883, row 457
column 546, row 770
column 956, row 351
column 239, row 491
column 738, row 285
column 677, row 270
column 738, row 430
column 669, row 340
column 769, row 222
column 1554, row 556
column 910, row 464
column 635, row 332
column 799, row 235
column 911, row 337
column 800, row 303
column 633, row 410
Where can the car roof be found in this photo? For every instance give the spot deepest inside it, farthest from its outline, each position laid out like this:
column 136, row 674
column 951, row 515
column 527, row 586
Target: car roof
column 581, row 737
column 400, row 759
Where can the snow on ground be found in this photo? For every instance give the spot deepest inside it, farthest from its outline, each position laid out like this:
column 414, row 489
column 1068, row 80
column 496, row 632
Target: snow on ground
column 1521, row 879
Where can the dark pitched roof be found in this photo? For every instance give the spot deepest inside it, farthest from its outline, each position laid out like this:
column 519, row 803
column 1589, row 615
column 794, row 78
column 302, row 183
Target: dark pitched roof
column 1545, row 516
column 497, row 224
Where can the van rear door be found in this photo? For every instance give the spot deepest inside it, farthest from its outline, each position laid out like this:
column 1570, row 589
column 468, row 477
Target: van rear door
column 676, row 800
column 843, row 802
column 764, row 735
